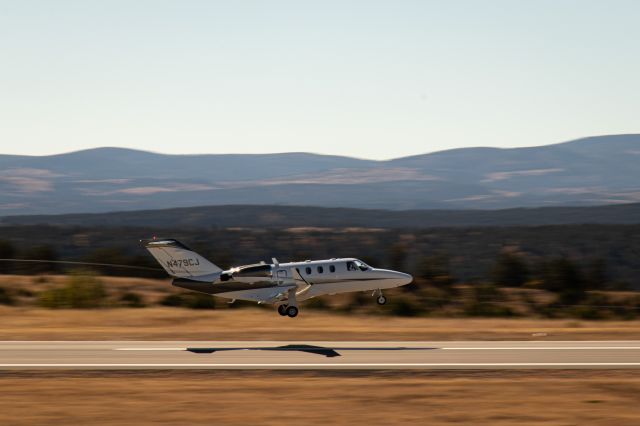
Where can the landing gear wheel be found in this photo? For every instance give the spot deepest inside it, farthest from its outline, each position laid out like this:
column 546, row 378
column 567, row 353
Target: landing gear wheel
column 381, row 300
column 282, row 310
column 292, row 311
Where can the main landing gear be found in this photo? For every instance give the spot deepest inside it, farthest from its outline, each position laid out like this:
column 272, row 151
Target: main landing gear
column 381, row 299
column 286, row 310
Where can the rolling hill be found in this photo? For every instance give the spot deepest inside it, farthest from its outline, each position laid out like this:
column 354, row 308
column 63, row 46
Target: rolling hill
column 584, row 172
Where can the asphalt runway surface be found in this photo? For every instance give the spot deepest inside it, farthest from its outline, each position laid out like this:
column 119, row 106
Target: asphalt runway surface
column 124, row 355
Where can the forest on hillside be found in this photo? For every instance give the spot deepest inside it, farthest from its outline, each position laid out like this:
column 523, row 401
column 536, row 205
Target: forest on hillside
column 561, row 266
column 468, row 254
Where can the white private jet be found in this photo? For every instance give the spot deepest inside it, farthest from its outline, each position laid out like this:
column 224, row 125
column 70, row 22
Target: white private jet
column 281, row 284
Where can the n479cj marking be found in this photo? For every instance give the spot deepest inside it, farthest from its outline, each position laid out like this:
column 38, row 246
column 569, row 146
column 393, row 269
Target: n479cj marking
column 179, row 263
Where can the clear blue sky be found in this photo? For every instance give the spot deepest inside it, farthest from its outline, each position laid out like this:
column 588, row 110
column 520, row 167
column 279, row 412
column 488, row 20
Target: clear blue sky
column 372, row 79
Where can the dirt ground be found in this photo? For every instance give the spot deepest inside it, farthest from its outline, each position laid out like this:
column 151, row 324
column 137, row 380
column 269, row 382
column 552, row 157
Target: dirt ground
column 372, row 398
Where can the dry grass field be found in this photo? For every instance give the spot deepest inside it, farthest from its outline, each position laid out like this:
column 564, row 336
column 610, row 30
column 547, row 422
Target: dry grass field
column 163, row 323
column 298, row 398
column 26, row 321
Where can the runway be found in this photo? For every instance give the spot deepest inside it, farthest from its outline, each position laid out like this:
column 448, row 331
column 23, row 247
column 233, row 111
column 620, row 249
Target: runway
column 123, row 355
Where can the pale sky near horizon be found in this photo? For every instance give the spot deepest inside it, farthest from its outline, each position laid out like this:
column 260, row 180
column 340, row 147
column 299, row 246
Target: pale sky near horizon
column 370, row 79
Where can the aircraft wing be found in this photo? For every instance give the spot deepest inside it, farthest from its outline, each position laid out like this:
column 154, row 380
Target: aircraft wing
column 281, row 294
column 298, row 278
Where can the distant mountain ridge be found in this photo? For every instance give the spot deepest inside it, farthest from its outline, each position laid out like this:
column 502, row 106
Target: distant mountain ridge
column 590, row 171
column 285, row 217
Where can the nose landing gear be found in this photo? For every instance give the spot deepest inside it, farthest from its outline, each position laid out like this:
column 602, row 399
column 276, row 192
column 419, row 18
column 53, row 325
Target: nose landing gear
column 381, row 299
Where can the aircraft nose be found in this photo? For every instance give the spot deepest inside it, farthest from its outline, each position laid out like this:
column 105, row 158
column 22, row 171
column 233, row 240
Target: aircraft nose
column 404, row 278
column 394, row 278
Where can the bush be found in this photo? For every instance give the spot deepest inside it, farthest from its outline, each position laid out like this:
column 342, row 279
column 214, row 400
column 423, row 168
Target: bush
column 200, row 301
column 5, row 297
column 510, row 270
column 40, row 279
column 132, row 300
column 435, row 270
column 404, row 307
column 82, row 291
column 586, row 312
column 173, row 300
column 317, row 303
column 486, row 302
column 432, row 298
column 480, row 309
column 564, row 277
column 486, row 292
column 23, row 292
column 189, row 300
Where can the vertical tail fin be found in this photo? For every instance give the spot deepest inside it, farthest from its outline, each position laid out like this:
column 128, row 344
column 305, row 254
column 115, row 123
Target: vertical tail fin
column 179, row 260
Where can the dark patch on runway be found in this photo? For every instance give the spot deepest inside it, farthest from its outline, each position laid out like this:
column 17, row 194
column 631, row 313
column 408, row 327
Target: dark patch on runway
column 318, row 350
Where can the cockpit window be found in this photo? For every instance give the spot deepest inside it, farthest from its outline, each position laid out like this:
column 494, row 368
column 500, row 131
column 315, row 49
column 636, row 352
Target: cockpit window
column 354, row 265
column 361, row 265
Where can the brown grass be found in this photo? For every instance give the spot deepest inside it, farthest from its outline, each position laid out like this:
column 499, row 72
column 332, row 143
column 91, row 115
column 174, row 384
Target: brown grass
column 162, row 323
column 295, row 398
column 28, row 322
column 152, row 290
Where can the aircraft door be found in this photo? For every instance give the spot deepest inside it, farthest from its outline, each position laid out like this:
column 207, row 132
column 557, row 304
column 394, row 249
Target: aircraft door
column 282, row 276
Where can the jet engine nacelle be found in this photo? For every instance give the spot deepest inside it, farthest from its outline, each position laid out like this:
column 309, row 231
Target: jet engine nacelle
column 248, row 273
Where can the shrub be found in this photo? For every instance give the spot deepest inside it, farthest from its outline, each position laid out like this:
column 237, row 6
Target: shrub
column 486, row 302
column 510, row 270
column 200, row 301
column 23, row 292
column 317, row 303
column 404, row 307
column 132, row 300
column 564, row 276
column 173, row 300
column 82, row 291
column 5, row 297
column 189, row 300
column 480, row 309
column 435, row 270
column 587, row 313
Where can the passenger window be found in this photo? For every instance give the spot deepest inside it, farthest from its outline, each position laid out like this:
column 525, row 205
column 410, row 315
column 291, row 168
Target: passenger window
column 351, row 266
column 320, row 269
column 332, row 268
column 307, row 270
